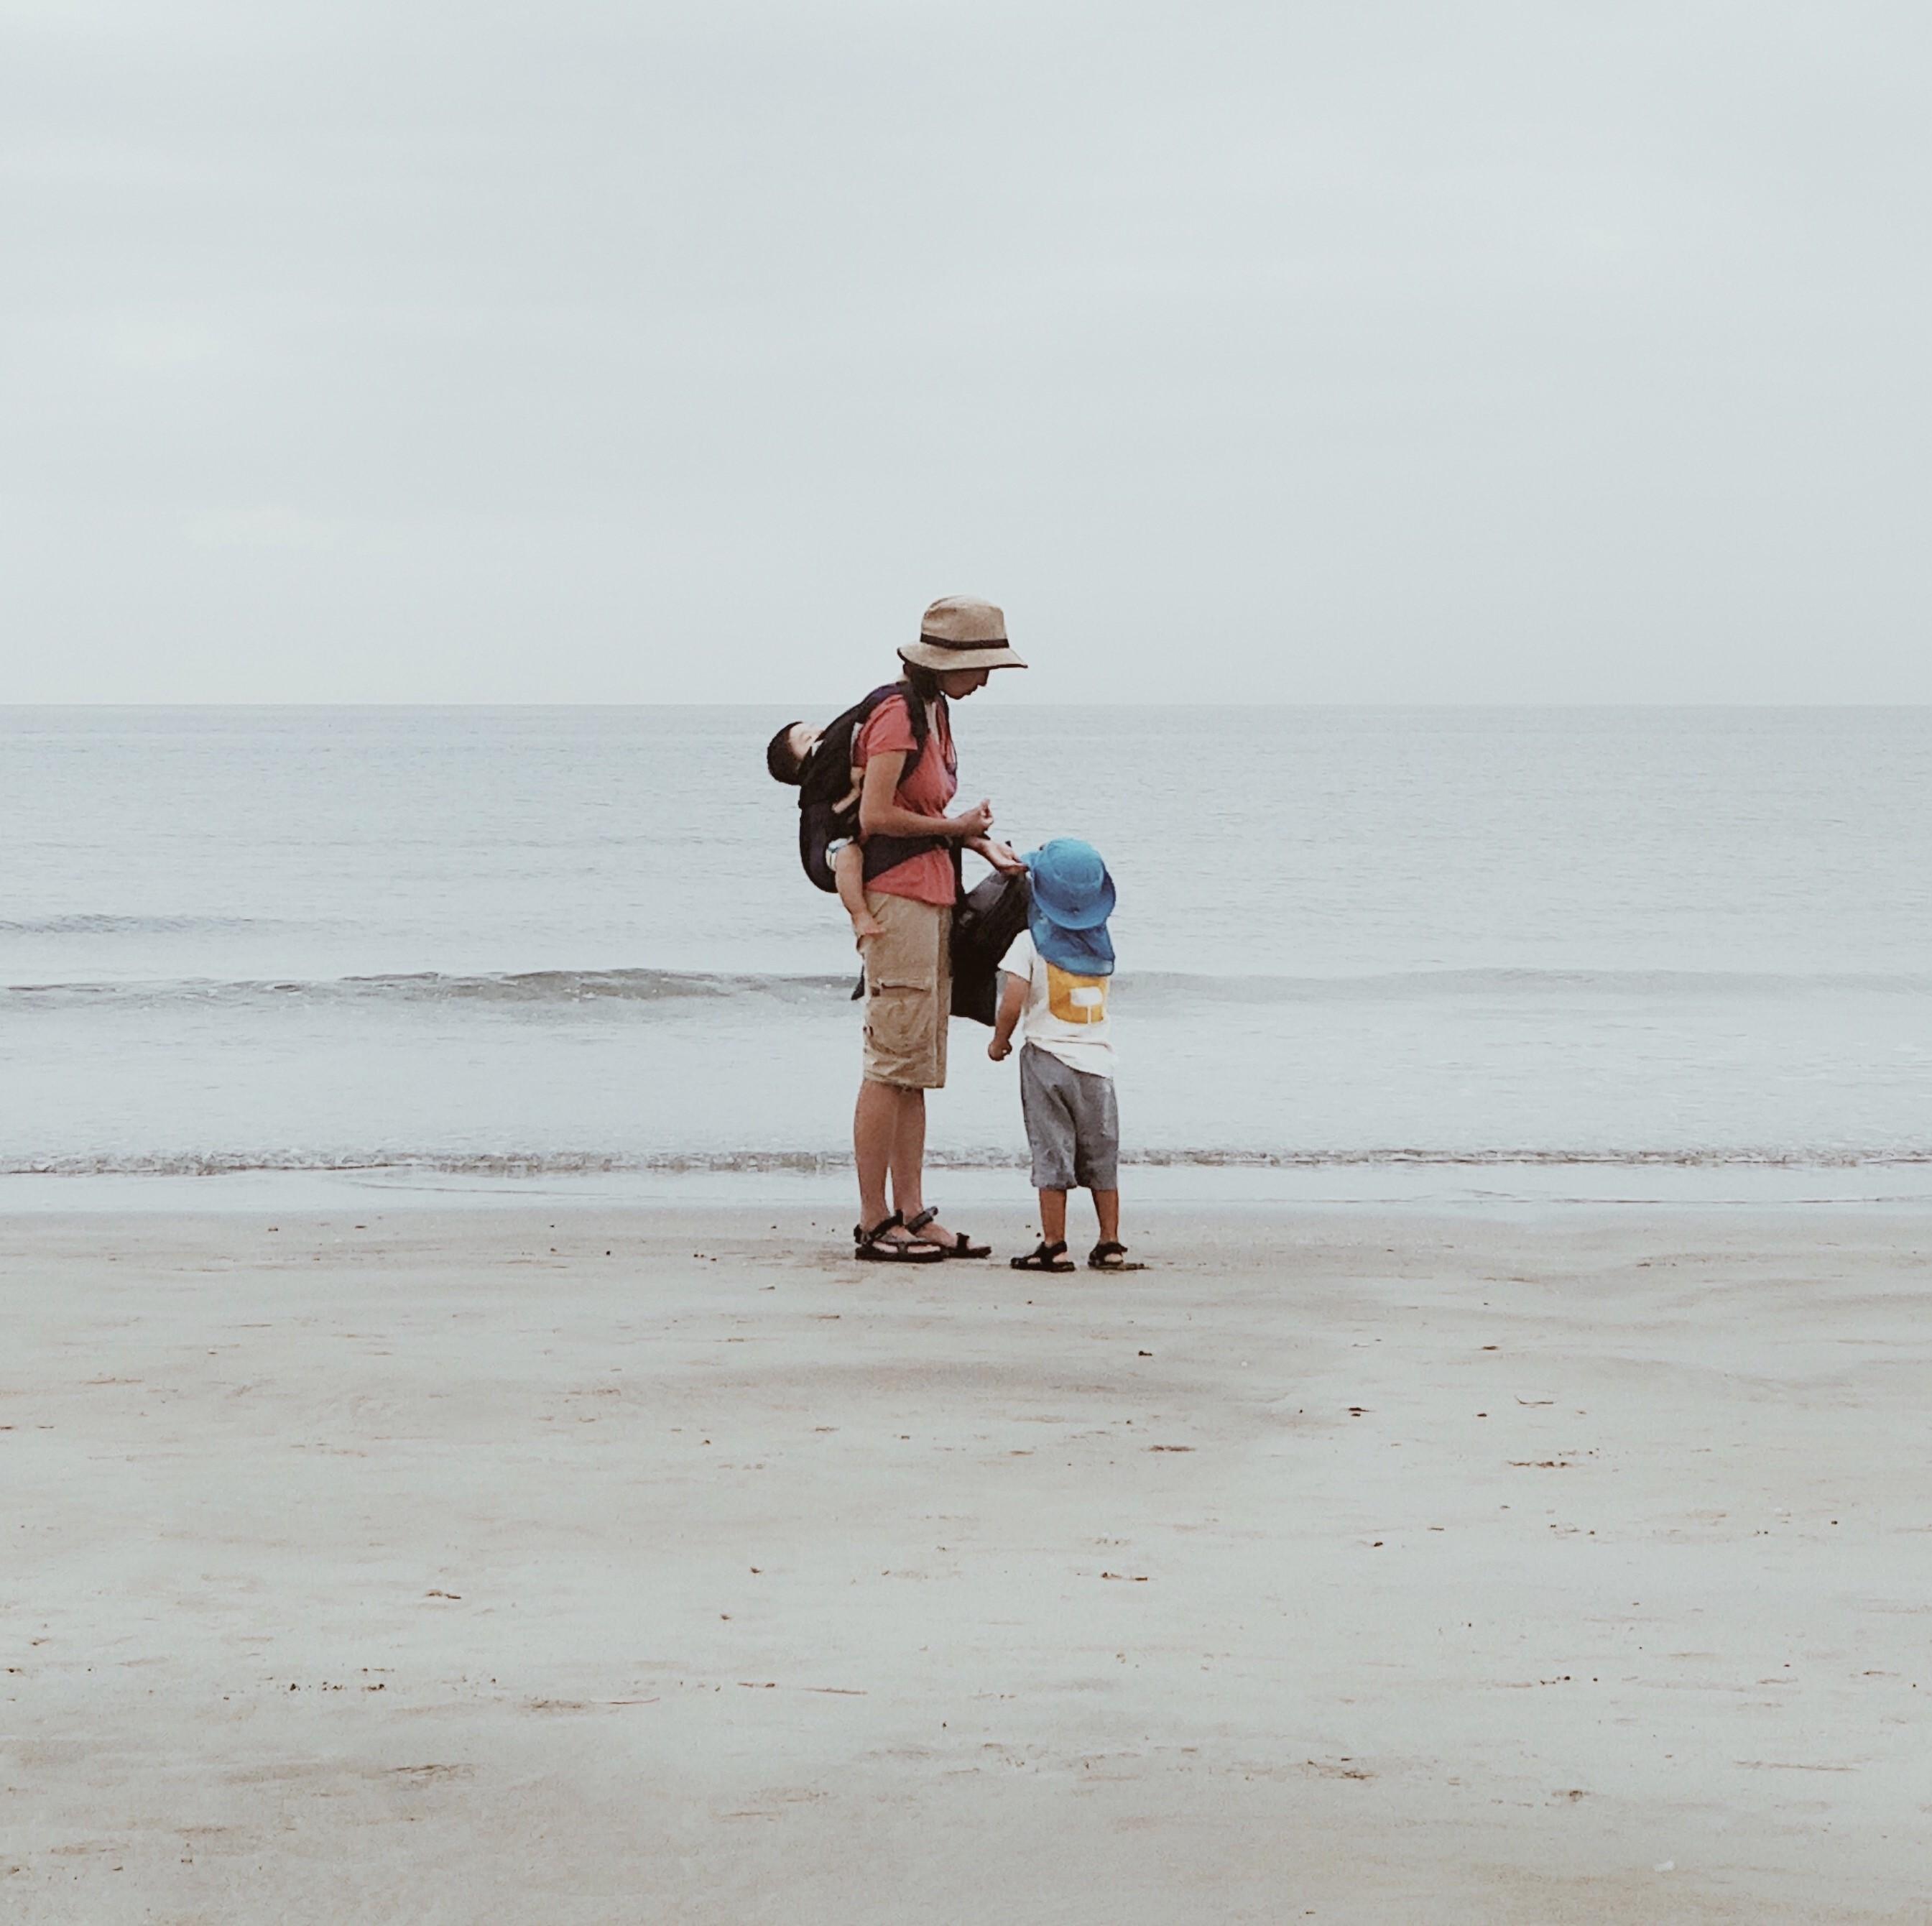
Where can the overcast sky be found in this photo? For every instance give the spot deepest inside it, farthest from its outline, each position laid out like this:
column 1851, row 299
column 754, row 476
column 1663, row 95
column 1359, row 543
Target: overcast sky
column 1366, row 350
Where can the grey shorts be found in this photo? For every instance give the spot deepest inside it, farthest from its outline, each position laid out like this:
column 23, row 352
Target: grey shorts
column 1072, row 1122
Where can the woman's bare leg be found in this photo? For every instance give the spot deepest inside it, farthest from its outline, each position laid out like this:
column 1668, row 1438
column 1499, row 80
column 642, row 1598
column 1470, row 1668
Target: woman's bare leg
column 889, row 1142
column 908, row 1167
column 875, row 1125
column 908, row 1153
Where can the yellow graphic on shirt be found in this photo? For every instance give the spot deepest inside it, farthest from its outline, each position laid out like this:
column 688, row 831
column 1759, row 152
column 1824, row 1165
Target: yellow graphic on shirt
column 1075, row 999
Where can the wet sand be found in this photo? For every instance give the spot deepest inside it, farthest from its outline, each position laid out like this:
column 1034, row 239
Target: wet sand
column 598, row 1565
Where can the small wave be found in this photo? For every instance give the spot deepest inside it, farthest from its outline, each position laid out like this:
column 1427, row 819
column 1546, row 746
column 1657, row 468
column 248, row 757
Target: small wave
column 1150, row 989
column 1525, row 984
column 130, row 926
column 750, row 1162
column 554, row 987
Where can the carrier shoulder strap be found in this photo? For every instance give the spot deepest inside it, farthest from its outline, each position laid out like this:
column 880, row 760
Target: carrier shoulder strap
column 861, row 713
column 887, row 853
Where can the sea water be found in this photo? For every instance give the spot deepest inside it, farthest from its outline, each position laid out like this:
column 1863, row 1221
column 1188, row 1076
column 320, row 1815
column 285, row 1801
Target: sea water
column 578, row 940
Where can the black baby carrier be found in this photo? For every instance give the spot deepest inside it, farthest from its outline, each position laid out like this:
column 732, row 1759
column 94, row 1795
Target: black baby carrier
column 825, row 814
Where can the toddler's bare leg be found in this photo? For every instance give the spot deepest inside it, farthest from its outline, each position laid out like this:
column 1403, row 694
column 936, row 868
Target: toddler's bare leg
column 848, row 871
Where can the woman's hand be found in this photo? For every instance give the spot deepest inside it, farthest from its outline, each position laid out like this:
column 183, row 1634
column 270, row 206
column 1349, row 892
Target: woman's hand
column 971, row 824
column 1000, row 855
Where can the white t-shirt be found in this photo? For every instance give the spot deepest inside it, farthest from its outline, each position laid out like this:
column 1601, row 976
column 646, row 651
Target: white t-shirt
column 1064, row 1013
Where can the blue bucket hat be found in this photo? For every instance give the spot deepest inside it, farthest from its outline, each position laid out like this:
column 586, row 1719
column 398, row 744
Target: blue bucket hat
column 1070, row 883
column 1073, row 897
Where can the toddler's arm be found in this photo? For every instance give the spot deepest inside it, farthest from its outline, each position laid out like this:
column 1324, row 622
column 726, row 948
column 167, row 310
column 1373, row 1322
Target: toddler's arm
column 1012, row 1001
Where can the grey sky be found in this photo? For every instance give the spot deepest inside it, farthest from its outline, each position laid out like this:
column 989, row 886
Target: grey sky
column 586, row 352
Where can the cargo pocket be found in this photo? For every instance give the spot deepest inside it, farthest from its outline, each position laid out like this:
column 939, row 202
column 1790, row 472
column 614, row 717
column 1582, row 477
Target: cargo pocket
column 896, row 1018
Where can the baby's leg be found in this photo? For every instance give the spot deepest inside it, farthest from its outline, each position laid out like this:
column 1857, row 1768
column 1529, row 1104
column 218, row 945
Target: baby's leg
column 848, row 871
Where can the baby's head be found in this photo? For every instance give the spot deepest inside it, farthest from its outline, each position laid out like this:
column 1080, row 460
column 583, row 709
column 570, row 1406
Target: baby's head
column 790, row 750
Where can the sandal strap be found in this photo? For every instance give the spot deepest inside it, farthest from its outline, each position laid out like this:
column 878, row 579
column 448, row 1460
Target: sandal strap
column 917, row 1224
column 860, row 1235
column 1045, row 1256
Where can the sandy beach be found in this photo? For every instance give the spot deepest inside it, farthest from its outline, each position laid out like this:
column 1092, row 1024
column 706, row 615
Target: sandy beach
column 587, row 1565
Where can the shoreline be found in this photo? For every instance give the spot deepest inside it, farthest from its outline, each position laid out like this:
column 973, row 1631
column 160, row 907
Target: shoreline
column 1486, row 1186
column 560, row 1565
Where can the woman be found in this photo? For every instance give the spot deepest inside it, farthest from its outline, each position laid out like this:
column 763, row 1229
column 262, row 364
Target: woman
column 910, row 776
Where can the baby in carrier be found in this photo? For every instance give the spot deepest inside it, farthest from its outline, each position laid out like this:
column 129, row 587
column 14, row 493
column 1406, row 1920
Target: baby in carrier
column 790, row 756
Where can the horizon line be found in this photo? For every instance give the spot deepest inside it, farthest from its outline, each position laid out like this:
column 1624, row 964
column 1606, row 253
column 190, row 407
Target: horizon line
column 1152, row 702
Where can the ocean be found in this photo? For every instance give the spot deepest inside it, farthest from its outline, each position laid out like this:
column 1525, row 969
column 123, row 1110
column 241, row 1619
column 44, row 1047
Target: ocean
column 496, row 942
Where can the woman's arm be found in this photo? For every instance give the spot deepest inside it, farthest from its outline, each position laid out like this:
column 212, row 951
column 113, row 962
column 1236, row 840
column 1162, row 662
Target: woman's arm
column 880, row 814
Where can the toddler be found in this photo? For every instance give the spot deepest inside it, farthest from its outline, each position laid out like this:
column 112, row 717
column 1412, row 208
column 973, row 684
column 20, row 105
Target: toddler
column 1054, row 992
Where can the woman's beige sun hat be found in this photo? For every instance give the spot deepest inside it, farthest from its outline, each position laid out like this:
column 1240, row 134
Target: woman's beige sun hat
column 961, row 632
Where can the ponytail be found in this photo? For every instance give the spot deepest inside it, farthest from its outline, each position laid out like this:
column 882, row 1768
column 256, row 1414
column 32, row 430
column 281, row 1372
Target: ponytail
column 924, row 685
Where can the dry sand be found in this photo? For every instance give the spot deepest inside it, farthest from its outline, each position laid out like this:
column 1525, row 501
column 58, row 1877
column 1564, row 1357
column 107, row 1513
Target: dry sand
column 591, row 1565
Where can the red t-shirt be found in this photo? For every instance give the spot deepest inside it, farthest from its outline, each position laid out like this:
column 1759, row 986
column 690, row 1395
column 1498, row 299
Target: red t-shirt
column 927, row 785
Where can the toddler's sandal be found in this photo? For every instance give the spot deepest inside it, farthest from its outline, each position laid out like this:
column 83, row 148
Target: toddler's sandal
column 1110, row 1257
column 1045, row 1256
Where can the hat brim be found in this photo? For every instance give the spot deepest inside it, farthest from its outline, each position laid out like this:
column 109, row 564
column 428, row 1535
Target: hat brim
column 1088, row 916
column 937, row 655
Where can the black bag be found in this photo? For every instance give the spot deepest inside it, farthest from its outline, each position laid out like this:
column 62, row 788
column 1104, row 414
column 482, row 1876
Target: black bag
column 985, row 922
column 824, row 815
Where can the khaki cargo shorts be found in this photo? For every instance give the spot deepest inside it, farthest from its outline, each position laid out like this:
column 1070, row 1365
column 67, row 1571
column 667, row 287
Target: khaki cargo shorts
column 908, row 992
